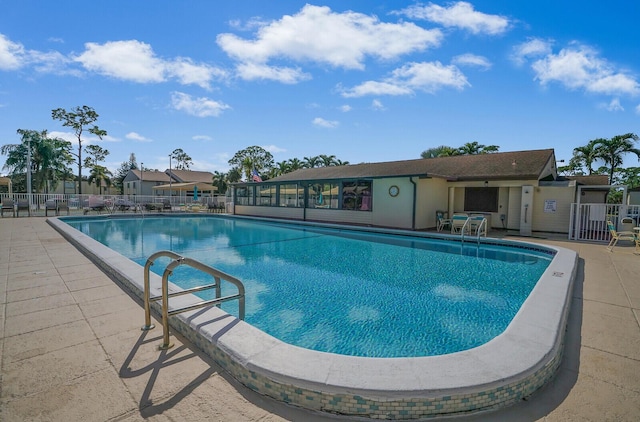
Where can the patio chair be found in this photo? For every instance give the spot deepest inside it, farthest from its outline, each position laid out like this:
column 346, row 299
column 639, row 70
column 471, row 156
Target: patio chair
column 62, row 206
column 475, row 225
column 441, row 222
column 7, row 204
column 166, row 204
column 50, row 205
column 458, row 222
column 616, row 235
column 23, row 205
column 95, row 204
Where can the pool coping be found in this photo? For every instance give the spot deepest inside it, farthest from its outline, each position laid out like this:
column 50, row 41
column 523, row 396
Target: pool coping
column 506, row 369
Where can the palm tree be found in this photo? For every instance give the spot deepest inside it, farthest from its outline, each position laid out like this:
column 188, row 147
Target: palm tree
column 100, row 174
column 612, row 151
column 295, row 164
column 219, row 180
column 586, row 155
column 474, row 148
column 327, row 160
column 311, row 162
column 441, row 151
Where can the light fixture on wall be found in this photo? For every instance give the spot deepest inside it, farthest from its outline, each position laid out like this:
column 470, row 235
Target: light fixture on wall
column 486, row 183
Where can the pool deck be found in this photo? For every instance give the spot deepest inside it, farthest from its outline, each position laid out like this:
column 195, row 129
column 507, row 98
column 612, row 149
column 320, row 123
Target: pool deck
column 71, row 347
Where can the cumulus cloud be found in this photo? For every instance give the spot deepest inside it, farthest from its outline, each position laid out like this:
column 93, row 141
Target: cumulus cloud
column 472, row 60
column 199, row 107
column 580, row 67
column 533, row 48
column 134, row 136
column 320, row 122
column 459, row 15
column 377, row 105
column 136, row 61
column 614, row 105
column 12, row 55
column 425, row 76
column 345, row 108
column 296, row 38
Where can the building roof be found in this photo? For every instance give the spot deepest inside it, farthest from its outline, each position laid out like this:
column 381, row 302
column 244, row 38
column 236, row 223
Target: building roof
column 191, row 176
column 147, row 176
column 592, row 179
column 495, row 166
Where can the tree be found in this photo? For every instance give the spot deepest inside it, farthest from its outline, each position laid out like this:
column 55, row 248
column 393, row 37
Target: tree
column 311, row 162
column 50, row 158
column 441, row 151
column 100, row 174
column 79, row 119
column 219, row 180
column 251, row 158
column 585, row 156
column 327, row 160
column 612, row 151
column 96, row 154
column 123, row 170
column 183, row 160
column 474, row 148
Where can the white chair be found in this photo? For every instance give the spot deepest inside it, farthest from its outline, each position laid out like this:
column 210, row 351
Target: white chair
column 441, row 222
column 458, row 222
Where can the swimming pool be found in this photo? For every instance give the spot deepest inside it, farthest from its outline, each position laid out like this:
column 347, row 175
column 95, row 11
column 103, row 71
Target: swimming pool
column 340, row 291
column 495, row 374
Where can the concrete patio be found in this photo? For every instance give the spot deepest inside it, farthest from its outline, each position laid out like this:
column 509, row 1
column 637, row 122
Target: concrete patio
column 71, row 348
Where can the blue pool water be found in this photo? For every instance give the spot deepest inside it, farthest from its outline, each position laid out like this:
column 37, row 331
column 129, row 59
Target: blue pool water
column 342, row 291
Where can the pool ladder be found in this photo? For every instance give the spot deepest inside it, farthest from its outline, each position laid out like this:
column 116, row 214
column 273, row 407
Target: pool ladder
column 481, row 228
column 178, row 260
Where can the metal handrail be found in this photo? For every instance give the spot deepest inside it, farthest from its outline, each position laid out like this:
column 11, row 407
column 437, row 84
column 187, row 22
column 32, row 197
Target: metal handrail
column 483, row 222
column 177, row 261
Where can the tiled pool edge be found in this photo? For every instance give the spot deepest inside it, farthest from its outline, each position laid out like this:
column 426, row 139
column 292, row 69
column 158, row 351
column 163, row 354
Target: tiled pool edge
column 252, row 367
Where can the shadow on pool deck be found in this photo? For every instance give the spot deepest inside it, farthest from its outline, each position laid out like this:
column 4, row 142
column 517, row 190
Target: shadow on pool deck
column 71, row 346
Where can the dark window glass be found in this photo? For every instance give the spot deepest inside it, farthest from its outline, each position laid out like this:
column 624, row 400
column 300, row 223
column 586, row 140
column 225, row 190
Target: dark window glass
column 481, row 199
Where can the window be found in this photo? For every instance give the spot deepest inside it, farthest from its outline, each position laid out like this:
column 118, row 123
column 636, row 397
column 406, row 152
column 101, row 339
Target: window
column 356, row 195
column 291, row 195
column 266, row 195
column 323, row 195
column 244, row 195
column 481, row 199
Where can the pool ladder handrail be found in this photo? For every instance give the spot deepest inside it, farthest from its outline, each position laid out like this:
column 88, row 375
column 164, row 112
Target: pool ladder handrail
column 483, row 222
column 178, row 260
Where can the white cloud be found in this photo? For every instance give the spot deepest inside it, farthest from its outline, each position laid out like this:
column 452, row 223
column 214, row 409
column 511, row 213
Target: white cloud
column 472, row 60
column 377, row 105
column 202, row 138
column 287, row 75
column 273, row 149
column 534, row 47
column 134, row 136
column 12, row 55
column 459, row 15
column 86, row 138
column 425, row 76
column 320, row 122
column 199, row 107
column 579, row 67
column 135, row 61
column 345, row 108
column 614, row 105
column 296, row 38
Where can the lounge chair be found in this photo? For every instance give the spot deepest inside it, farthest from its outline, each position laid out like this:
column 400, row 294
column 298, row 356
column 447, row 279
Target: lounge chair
column 166, row 204
column 441, row 222
column 616, row 235
column 95, row 204
column 50, row 205
column 23, row 205
column 458, row 222
column 7, row 204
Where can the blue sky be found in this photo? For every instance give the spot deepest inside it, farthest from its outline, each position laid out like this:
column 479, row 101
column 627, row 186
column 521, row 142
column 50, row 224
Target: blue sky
column 366, row 81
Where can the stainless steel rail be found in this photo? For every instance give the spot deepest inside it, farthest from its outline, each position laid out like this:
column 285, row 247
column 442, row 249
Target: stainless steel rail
column 467, row 227
column 178, row 260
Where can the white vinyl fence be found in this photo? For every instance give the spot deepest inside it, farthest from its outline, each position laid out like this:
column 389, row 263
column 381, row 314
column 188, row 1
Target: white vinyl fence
column 589, row 221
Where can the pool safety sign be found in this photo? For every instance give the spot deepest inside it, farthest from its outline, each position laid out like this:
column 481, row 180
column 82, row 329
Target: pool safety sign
column 550, row 205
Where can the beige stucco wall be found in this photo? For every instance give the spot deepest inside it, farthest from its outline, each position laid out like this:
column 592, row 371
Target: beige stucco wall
column 558, row 221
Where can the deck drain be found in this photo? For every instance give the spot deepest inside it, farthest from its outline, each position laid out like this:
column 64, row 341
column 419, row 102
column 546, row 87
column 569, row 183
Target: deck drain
column 558, row 274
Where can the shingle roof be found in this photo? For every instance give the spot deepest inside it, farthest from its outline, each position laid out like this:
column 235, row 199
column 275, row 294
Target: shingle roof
column 147, row 176
column 503, row 165
column 591, row 179
column 191, row 176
